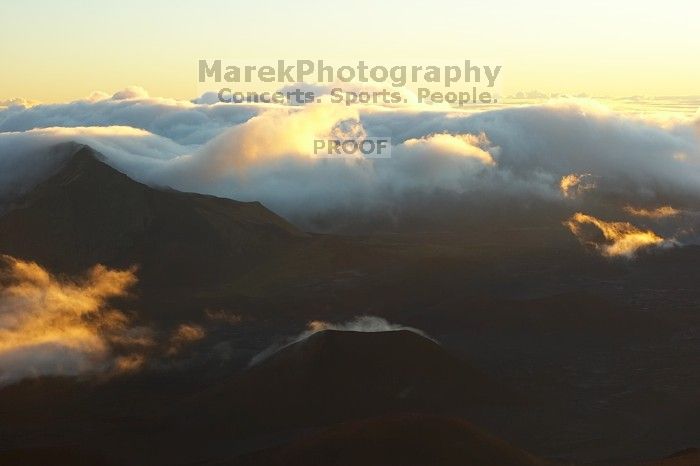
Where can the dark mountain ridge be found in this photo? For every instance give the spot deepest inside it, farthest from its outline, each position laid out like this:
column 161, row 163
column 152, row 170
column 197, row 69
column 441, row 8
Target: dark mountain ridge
column 87, row 213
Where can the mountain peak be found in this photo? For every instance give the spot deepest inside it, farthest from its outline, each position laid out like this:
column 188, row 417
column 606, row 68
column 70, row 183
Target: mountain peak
column 86, row 155
column 344, row 342
column 87, row 212
column 87, row 165
column 337, row 374
column 399, row 358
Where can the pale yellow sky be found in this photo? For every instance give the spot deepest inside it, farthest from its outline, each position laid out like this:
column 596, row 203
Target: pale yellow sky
column 56, row 51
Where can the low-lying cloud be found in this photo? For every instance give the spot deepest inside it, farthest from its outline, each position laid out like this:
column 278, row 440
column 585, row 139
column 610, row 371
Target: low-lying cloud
column 574, row 185
column 56, row 326
column 184, row 335
column 522, row 162
column 181, row 121
column 658, row 212
column 619, row 239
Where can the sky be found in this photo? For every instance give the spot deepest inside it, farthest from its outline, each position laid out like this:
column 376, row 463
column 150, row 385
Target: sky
column 59, row 51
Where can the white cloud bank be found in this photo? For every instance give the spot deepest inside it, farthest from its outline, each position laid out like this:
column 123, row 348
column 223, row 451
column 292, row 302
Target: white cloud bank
column 570, row 154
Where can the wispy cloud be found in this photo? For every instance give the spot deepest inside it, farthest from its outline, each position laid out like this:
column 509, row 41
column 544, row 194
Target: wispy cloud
column 184, row 335
column 57, row 326
column 658, row 212
column 573, row 185
column 619, row 239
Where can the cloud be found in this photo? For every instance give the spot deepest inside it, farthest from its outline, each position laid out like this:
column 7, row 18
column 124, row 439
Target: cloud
column 223, row 316
column 131, row 92
column 182, row 122
column 658, row 212
column 183, row 335
column 56, row 326
column 528, row 152
column 462, row 145
column 358, row 324
column 573, row 185
column 619, row 239
column 27, row 157
column 18, row 102
column 273, row 135
column 521, row 163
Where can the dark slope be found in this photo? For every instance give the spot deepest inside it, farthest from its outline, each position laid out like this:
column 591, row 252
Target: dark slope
column 406, row 440
column 335, row 376
column 63, row 456
column 393, row 368
column 689, row 457
column 331, row 377
column 90, row 213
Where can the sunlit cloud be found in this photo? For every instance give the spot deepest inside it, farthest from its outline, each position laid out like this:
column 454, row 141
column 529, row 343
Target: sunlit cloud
column 619, row 239
column 275, row 134
column 131, row 92
column 465, row 145
column 129, row 363
column 57, row 326
column 659, row 212
column 573, row 185
column 184, row 335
